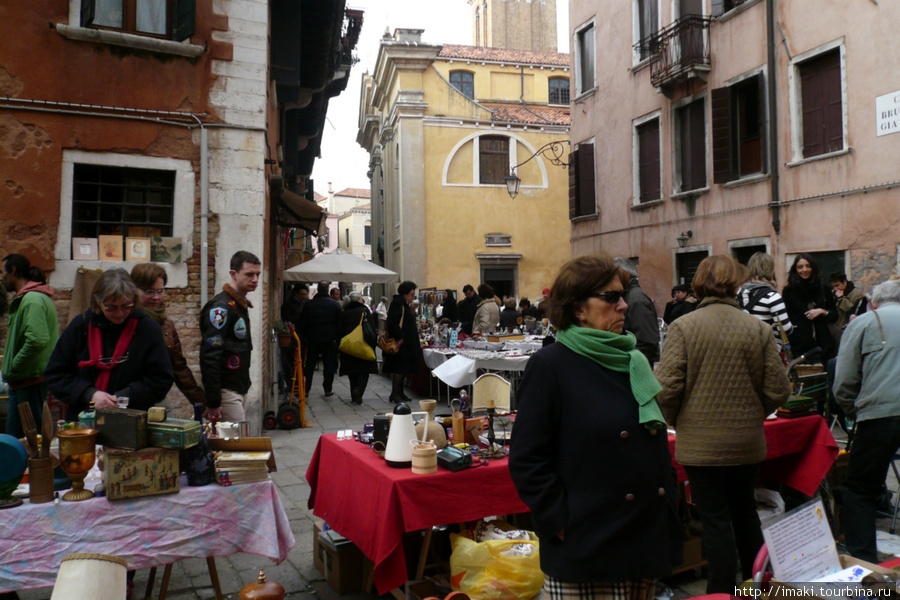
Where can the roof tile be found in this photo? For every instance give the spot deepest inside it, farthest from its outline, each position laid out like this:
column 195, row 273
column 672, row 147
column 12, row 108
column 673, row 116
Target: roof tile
column 555, row 59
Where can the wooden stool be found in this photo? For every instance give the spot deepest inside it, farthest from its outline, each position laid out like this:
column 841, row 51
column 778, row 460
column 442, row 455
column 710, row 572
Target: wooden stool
column 167, row 574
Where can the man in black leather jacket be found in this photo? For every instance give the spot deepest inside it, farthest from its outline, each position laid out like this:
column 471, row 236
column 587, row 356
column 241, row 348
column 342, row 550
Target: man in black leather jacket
column 226, row 341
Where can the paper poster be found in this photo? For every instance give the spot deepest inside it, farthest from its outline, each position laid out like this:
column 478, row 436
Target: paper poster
column 800, row 544
column 137, row 249
column 111, row 247
column 165, row 249
column 85, row 249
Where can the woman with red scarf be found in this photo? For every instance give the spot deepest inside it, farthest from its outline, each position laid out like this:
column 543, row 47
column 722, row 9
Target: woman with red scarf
column 112, row 350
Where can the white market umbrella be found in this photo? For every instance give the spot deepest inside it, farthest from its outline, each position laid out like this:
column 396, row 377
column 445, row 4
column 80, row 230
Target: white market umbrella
column 340, row 265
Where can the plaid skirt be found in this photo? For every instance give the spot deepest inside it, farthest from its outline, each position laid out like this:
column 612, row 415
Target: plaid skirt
column 554, row 589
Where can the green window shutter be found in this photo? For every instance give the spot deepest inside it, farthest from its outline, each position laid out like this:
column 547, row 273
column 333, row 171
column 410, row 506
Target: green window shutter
column 184, row 19
column 87, row 13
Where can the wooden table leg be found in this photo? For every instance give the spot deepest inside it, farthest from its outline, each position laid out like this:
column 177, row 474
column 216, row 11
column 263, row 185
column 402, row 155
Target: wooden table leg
column 423, row 555
column 164, row 586
column 151, row 579
column 214, row 576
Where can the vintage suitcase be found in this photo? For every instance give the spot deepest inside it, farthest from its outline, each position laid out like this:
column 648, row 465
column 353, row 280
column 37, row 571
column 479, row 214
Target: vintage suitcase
column 147, row 472
column 174, row 433
column 122, row 428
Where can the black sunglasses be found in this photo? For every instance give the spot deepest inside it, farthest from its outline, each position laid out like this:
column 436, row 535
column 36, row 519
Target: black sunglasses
column 611, row 297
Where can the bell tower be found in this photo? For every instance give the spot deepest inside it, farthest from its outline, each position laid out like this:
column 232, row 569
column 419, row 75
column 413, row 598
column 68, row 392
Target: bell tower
column 515, row 24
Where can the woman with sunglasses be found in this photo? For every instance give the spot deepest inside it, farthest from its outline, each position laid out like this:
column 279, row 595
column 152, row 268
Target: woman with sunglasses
column 721, row 376
column 150, row 279
column 589, row 453
column 112, row 350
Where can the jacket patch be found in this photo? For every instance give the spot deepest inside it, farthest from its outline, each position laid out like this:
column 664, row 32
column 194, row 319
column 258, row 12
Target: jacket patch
column 240, row 329
column 218, row 316
column 215, row 341
column 232, row 304
column 234, row 362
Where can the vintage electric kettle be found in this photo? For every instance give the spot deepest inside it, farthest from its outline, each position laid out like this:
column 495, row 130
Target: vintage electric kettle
column 398, row 452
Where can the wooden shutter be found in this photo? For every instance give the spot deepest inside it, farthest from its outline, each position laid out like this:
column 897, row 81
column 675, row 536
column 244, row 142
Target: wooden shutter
column 723, row 170
column 573, row 183
column 648, row 161
column 493, row 158
column 586, row 196
column 822, row 104
column 693, row 146
column 87, row 13
column 184, row 19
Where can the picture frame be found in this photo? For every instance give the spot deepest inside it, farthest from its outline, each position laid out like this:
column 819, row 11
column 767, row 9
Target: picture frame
column 166, row 249
column 110, row 247
column 137, row 249
column 85, row 249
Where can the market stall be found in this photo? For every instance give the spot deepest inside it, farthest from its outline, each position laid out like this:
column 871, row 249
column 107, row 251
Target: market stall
column 146, row 532
column 800, row 452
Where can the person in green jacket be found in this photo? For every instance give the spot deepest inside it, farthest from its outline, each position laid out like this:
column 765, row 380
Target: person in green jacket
column 33, row 329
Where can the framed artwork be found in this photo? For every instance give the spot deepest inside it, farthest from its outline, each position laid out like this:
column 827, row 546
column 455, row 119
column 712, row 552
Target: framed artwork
column 165, row 249
column 137, row 249
column 85, row 249
column 111, row 247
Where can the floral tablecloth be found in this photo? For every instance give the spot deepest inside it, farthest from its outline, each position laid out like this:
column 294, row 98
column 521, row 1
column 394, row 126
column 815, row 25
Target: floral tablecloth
column 197, row 522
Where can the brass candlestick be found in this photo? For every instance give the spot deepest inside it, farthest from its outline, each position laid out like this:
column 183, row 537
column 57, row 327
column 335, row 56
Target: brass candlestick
column 77, row 450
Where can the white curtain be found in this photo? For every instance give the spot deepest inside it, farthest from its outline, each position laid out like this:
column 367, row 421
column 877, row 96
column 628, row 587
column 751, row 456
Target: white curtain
column 151, row 16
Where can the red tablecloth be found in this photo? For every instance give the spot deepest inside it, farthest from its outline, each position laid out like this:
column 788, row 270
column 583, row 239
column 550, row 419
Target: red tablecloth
column 799, row 453
column 372, row 504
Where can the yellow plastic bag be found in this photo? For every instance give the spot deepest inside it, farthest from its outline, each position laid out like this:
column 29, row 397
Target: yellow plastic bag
column 492, row 570
column 354, row 343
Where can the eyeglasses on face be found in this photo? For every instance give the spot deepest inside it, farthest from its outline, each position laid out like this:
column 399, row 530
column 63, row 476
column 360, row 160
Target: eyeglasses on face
column 612, row 296
column 116, row 308
column 159, row 292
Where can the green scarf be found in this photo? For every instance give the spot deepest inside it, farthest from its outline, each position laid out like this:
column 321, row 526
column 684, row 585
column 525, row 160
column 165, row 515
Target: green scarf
column 619, row 353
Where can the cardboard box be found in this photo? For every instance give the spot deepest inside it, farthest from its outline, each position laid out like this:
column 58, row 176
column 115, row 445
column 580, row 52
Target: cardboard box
column 122, row 428
column 174, row 433
column 846, row 561
column 318, row 526
column 147, row 472
column 693, row 554
column 342, row 562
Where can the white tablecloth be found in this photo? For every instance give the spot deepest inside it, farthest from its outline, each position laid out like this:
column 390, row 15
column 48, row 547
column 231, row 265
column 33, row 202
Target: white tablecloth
column 458, row 368
column 197, row 522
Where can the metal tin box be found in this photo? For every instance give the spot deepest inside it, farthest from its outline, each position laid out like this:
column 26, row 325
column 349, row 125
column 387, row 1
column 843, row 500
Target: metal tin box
column 122, row 428
column 174, row 433
column 147, row 472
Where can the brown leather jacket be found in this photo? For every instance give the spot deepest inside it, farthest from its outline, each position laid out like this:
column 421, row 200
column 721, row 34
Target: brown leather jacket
column 184, row 378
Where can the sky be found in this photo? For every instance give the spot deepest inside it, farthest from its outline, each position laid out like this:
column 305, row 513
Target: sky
column 343, row 161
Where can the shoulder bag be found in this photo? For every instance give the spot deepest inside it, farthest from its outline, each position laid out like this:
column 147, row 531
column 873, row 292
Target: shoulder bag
column 388, row 344
column 355, row 345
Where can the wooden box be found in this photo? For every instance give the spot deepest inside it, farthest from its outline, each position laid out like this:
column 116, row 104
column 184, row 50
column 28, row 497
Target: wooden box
column 122, row 428
column 342, row 562
column 174, row 433
column 147, row 472
column 505, row 337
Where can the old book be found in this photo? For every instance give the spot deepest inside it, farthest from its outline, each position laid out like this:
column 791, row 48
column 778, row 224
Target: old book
column 85, row 249
column 111, row 247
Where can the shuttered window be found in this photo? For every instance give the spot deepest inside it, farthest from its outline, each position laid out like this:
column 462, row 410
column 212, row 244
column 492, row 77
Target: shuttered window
column 649, row 25
column 493, row 161
column 585, row 59
column 649, row 183
column 559, row 90
column 738, row 130
column 690, row 122
column 582, row 187
column 168, row 19
column 464, row 81
column 820, row 83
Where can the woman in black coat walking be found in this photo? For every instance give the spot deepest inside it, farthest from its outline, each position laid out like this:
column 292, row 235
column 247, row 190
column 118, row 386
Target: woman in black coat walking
column 401, row 326
column 357, row 369
column 810, row 308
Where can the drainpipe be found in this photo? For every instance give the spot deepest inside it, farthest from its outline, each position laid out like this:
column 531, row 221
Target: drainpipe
column 775, row 203
column 204, row 215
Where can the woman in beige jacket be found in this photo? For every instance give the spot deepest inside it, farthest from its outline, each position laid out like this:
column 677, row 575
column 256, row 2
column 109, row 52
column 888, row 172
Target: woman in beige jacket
column 721, row 376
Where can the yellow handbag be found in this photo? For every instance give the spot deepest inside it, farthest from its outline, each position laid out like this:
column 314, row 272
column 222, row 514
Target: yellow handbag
column 355, row 344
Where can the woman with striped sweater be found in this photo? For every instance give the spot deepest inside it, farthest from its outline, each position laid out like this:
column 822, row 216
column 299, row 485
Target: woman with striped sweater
column 759, row 298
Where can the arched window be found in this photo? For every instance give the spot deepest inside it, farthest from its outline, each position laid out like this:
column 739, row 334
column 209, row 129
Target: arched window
column 559, row 90
column 464, row 81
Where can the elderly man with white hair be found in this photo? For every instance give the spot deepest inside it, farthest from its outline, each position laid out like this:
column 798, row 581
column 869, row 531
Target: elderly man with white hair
column 867, row 387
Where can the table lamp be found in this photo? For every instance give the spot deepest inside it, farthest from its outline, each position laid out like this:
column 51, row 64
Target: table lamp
column 489, row 393
column 89, row 576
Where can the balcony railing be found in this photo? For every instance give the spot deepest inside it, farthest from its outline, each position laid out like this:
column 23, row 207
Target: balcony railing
column 677, row 51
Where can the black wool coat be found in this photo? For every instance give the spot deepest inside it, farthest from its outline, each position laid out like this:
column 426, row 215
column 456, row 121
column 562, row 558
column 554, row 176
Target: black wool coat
column 583, row 463
column 407, row 359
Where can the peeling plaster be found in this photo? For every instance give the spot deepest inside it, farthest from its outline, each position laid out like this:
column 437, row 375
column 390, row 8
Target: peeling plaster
column 10, row 85
column 17, row 137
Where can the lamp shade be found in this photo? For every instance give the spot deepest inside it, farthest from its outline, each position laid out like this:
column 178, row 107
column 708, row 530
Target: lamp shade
column 490, row 391
column 87, row 576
